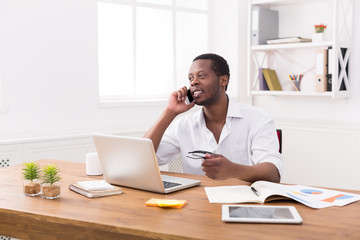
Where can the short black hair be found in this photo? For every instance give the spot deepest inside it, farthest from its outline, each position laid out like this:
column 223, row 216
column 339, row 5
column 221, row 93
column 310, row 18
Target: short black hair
column 219, row 64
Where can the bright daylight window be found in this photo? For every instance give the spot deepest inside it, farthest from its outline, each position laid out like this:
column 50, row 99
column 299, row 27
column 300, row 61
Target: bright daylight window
column 145, row 47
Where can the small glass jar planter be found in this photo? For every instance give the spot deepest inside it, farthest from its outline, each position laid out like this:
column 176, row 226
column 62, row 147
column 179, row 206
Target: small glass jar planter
column 32, row 183
column 51, row 191
column 51, row 182
column 32, row 187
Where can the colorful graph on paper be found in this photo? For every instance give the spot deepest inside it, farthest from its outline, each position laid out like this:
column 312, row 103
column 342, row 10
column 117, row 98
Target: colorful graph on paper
column 319, row 198
column 311, row 191
column 313, row 196
column 337, row 197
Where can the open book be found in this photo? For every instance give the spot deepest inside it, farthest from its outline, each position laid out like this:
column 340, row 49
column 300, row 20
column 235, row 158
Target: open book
column 263, row 191
column 93, row 189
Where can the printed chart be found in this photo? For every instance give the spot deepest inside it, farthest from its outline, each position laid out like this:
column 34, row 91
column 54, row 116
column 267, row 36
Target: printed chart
column 311, row 191
column 337, row 197
column 316, row 197
column 323, row 195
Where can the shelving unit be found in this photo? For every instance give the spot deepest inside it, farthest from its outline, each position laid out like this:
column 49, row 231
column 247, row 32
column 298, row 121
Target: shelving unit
column 297, row 18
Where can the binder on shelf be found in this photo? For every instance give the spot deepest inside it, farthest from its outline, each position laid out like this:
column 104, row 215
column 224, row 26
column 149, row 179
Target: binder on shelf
column 321, row 70
column 265, row 25
column 330, row 69
column 262, row 83
column 271, row 79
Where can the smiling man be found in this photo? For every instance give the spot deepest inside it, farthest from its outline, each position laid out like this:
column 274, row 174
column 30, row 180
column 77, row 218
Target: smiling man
column 230, row 139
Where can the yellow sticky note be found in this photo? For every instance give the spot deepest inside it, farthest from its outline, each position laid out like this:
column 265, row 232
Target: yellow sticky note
column 172, row 203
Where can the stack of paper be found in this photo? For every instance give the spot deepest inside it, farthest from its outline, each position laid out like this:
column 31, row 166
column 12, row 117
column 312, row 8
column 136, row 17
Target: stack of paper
column 288, row 40
column 97, row 188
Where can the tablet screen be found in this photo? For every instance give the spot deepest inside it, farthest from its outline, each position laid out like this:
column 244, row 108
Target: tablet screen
column 260, row 214
column 256, row 212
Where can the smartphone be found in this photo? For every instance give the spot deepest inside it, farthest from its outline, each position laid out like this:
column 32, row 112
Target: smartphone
column 188, row 98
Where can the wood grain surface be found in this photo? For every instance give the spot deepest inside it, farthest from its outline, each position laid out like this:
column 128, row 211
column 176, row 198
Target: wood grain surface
column 125, row 216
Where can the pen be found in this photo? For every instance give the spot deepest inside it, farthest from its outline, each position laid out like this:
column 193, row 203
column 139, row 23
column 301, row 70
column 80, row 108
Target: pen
column 254, row 190
column 292, row 81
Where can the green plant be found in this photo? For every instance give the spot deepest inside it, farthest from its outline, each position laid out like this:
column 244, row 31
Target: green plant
column 319, row 28
column 31, row 171
column 51, row 174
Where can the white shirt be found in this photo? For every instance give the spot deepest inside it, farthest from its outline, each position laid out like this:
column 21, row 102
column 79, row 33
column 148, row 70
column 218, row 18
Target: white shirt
column 248, row 137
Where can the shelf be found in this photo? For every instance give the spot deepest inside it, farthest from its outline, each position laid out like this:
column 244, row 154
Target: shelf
column 295, row 17
column 290, row 93
column 274, row 3
column 272, row 47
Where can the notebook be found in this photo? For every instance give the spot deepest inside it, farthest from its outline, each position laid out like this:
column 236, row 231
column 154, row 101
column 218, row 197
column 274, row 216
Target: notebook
column 131, row 162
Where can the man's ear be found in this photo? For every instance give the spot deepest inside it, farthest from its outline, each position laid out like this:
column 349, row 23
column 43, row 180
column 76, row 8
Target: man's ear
column 224, row 80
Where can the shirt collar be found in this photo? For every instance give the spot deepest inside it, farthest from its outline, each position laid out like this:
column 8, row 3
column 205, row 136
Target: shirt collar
column 233, row 111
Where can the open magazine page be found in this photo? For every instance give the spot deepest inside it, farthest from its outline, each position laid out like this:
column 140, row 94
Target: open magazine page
column 231, row 194
column 243, row 194
column 315, row 197
column 267, row 193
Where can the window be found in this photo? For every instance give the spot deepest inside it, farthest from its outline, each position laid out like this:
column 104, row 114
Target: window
column 145, row 47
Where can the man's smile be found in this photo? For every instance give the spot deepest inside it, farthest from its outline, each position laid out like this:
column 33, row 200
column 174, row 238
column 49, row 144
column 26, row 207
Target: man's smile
column 197, row 92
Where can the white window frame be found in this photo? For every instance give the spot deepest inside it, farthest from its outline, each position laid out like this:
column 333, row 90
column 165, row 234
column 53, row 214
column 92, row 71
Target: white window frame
column 118, row 101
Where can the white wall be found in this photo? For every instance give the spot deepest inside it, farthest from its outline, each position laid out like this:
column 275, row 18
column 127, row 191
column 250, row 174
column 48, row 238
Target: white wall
column 48, row 68
column 48, row 64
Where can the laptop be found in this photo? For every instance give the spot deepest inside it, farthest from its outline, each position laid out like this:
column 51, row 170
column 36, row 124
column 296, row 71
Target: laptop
column 131, row 162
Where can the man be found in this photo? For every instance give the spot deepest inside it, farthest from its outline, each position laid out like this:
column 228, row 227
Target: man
column 241, row 139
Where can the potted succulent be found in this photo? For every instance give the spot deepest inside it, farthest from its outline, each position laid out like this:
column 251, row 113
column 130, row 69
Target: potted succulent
column 32, row 184
column 319, row 34
column 320, row 28
column 51, row 182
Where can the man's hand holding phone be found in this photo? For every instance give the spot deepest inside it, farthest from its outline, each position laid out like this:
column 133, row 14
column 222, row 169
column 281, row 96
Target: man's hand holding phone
column 177, row 101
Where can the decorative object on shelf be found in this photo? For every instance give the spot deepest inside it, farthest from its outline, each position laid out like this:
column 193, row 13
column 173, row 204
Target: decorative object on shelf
column 51, row 182
column 32, row 184
column 296, row 81
column 320, row 28
column 319, row 35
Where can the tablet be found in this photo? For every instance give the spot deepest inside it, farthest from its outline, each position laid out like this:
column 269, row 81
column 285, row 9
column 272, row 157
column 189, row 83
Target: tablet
column 260, row 214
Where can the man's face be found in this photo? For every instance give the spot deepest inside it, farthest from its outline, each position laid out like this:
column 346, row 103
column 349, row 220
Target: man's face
column 204, row 84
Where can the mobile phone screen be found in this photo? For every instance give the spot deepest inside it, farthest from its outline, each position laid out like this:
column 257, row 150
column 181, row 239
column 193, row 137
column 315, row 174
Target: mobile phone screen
column 189, row 98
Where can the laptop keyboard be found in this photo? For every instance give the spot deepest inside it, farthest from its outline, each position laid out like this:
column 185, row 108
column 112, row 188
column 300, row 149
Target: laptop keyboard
column 170, row 184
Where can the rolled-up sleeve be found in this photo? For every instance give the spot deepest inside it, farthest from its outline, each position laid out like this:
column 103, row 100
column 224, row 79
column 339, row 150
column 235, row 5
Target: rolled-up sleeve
column 169, row 147
column 265, row 144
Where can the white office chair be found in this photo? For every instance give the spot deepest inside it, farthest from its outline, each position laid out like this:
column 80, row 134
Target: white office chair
column 176, row 165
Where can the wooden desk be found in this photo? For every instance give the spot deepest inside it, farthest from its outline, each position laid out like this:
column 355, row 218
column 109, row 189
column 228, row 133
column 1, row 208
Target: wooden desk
column 125, row 216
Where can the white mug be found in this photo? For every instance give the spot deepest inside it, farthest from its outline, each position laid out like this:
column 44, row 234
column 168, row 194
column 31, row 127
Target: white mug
column 93, row 166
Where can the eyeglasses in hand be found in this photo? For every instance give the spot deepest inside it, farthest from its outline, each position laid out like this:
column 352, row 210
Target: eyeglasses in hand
column 198, row 154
